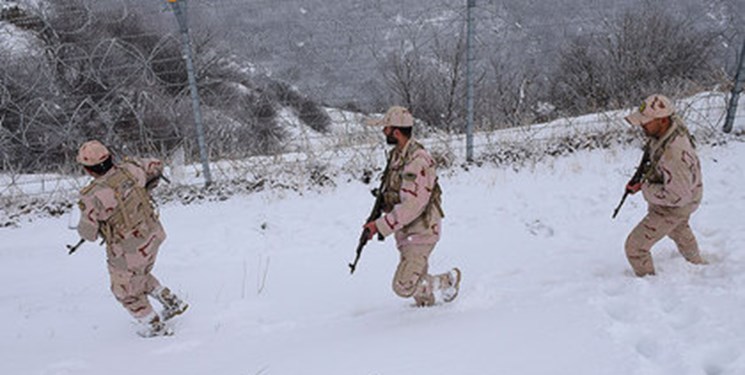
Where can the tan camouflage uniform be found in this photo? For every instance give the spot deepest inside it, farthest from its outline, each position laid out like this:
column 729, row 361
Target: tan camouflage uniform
column 673, row 189
column 413, row 212
column 117, row 207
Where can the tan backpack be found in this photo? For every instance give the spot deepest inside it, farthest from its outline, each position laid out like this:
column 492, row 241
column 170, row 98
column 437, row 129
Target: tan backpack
column 134, row 207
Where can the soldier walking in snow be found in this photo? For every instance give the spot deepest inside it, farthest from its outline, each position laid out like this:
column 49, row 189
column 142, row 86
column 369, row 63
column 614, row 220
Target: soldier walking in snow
column 411, row 206
column 117, row 206
column 671, row 184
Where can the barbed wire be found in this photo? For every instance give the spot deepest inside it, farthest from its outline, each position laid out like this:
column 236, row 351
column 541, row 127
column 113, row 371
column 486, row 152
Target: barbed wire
column 101, row 70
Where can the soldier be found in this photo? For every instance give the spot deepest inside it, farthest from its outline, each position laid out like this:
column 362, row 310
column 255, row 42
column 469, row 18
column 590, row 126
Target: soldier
column 117, row 206
column 671, row 185
column 411, row 206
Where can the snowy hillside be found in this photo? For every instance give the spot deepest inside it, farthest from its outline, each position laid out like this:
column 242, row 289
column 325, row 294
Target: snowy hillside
column 546, row 287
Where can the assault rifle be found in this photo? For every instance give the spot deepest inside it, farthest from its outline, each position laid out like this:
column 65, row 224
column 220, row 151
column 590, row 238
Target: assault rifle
column 638, row 175
column 377, row 210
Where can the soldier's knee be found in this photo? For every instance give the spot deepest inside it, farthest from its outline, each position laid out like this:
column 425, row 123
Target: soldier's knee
column 635, row 244
column 404, row 288
column 405, row 284
column 407, row 278
column 121, row 292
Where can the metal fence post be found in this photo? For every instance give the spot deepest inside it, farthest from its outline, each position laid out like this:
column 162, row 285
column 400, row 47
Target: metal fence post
column 469, row 81
column 736, row 89
column 184, row 28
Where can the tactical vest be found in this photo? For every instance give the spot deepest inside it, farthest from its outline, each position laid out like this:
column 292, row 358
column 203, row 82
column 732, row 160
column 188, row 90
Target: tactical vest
column 394, row 178
column 652, row 175
column 134, row 208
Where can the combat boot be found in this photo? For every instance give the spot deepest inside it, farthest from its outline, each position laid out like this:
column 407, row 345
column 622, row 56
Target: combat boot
column 172, row 305
column 451, row 288
column 424, row 297
column 152, row 326
column 697, row 259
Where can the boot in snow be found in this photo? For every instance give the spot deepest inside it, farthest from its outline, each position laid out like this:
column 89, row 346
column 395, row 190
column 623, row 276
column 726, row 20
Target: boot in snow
column 450, row 290
column 153, row 327
column 172, row 305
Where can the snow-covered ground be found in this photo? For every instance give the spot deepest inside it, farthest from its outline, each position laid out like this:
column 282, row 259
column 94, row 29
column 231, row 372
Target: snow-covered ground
column 546, row 288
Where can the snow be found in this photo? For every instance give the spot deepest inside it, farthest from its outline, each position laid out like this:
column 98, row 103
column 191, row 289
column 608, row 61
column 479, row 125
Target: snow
column 546, row 286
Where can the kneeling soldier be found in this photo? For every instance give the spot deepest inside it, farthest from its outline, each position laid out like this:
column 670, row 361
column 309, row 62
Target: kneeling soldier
column 411, row 202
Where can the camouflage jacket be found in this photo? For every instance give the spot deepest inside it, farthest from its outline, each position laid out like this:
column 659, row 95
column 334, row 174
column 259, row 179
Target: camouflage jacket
column 411, row 197
column 117, row 206
column 674, row 179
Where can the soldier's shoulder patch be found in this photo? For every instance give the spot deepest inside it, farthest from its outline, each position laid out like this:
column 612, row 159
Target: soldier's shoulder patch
column 422, row 158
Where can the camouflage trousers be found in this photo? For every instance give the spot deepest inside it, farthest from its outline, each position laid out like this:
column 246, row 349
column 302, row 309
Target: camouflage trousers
column 412, row 278
column 660, row 222
column 131, row 281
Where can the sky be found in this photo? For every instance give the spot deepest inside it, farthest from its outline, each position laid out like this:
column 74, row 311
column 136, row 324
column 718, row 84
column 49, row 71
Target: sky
column 546, row 286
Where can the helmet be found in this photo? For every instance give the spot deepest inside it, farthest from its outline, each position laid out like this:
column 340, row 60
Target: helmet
column 92, row 153
column 396, row 116
column 654, row 106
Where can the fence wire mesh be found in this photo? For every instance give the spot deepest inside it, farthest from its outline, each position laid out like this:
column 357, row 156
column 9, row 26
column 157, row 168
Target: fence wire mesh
column 286, row 86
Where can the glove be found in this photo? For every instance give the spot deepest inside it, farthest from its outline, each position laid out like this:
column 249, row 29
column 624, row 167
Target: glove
column 633, row 187
column 372, row 229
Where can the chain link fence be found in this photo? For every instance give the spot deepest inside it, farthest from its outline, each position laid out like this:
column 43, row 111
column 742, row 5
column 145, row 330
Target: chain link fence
column 285, row 86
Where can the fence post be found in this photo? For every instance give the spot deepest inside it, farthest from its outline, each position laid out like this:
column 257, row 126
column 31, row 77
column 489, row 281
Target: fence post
column 184, row 28
column 469, row 81
column 736, row 89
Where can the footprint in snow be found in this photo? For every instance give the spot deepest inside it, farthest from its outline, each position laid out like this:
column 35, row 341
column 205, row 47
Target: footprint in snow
column 719, row 361
column 648, row 348
column 620, row 311
column 537, row 228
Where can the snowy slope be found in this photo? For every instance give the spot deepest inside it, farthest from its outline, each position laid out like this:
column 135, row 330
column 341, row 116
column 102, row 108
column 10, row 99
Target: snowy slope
column 546, row 288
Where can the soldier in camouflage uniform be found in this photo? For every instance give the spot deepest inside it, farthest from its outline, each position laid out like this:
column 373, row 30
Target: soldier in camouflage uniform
column 671, row 185
column 412, row 211
column 116, row 206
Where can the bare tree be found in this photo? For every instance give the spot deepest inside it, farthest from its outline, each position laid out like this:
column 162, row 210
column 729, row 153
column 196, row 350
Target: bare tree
column 506, row 96
column 644, row 50
column 430, row 79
